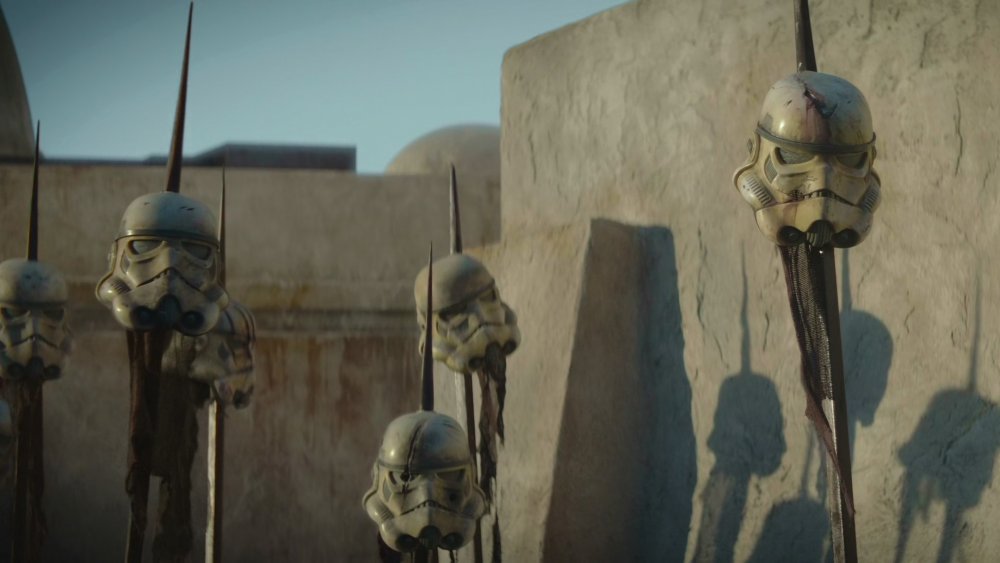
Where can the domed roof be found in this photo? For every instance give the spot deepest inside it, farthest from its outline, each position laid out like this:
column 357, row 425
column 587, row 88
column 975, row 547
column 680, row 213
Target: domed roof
column 17, row 139
column 473, row 149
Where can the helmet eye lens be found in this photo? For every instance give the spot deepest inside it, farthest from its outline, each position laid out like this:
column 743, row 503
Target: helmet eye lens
column 853, row 160
column 454, row 476
column 789, row 156
column 13, row 312
column 448, row 313
column 199, row 251
column 54, row 314
column 143, row 246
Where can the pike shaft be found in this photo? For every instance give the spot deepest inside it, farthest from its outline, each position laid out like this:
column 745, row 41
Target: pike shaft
column 173, row 458
column 216, row 455
column 145, row 349
column 470, row 426
column 841, row 486
column 29, row 519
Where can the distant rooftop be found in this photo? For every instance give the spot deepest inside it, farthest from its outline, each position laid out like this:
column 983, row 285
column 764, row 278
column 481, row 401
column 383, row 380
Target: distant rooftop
column 239, row 155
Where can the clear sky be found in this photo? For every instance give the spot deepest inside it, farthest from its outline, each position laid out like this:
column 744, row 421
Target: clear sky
column 102, row 75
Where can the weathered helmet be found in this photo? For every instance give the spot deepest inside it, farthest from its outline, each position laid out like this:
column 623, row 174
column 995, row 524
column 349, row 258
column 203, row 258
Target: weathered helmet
column 809, row 175
column 222, row 358
column 164, row 266
column 468, row 313
column 163, row 270
column 424, row 489
column 34, row 338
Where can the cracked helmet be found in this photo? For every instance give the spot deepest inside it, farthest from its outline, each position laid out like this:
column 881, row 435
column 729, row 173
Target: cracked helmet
column 809, row 175
column 424, row 490
column 34, row 337
column 222, row 358
column 468, row 314
column 164, row 266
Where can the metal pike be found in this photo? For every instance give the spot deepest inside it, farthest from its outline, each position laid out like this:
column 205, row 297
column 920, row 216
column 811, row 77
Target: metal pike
column 835, row 408
column 216, row 457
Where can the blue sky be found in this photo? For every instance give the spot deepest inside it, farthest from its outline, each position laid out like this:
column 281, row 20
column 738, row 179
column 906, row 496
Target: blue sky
column 102, row 75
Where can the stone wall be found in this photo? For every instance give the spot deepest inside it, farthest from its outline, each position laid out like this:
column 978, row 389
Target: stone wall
column 641, row 114
column 326, row 261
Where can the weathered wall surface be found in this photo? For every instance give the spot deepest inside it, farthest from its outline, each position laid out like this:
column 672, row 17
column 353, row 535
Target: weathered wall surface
column 326, row 261
column 301, row 240
column 641, row 114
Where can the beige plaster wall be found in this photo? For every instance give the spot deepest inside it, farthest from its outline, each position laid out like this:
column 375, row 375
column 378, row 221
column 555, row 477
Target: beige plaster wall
column 326, row 261
column 641, row 114
column 298, row 239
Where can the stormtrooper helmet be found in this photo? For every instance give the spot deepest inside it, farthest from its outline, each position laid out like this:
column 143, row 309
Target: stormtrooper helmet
column 424, row 490
column 222, row 358
column 164, row 266
column 809, row 175
column 34, row 337
column 468, row 315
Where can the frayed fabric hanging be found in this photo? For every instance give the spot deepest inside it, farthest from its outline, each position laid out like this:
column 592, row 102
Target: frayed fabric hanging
column 806, row 283
column 493, row 387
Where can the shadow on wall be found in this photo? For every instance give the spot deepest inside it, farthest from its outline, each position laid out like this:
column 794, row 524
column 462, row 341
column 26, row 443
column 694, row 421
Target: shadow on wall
column 625, row 469
column 950, row 456
column 747, row 439
column 795, row 531
column 867, row 359
column 669, row 472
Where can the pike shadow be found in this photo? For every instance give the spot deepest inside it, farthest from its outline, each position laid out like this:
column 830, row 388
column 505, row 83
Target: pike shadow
column 796, row 531
column 867, row 359
column 950, row 457
column 747, row 439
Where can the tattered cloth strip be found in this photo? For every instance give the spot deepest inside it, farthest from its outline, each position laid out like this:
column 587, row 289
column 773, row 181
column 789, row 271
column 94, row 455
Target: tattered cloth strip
column 807, row 287
column 145, row 351
column 29, row 478
column 174, row 449
column 493, row 387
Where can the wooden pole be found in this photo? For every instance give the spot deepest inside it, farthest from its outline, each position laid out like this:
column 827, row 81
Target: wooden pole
column 845, row 544
column 145, row 350
column 216, row 473
column 29, row 478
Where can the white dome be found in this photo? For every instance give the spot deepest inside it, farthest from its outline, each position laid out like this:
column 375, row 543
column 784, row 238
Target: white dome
column 473, row 149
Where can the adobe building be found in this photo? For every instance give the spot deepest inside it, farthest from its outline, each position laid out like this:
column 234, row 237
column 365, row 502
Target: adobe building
column 654, row 408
